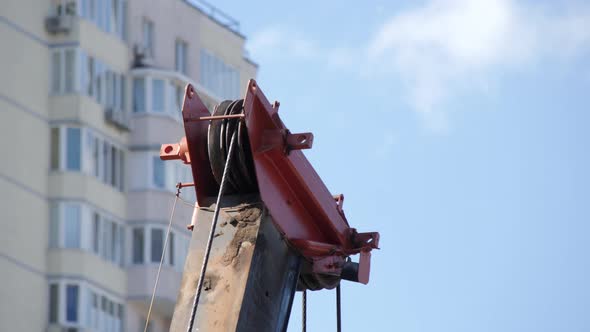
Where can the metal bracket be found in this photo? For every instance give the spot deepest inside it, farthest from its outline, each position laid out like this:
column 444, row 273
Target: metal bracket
column 339, row 202
column 283, row 139
column 298, row 141
column 175, row 151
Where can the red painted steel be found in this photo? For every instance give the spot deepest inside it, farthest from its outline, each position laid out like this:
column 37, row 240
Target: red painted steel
column 303, row 209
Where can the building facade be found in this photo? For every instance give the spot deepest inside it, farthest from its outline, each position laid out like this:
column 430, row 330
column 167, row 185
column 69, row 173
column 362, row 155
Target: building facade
column 89, row 89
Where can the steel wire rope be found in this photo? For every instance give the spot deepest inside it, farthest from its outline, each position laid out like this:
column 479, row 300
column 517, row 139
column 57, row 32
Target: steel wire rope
column 304, row 311
column 211, row 235
column 147, row 320
column 338, row 315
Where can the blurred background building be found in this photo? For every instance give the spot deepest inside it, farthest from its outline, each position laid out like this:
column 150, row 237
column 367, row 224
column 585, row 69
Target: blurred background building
column 89, row 89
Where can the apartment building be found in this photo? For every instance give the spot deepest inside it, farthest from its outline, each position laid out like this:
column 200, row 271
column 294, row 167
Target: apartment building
column 89, row 89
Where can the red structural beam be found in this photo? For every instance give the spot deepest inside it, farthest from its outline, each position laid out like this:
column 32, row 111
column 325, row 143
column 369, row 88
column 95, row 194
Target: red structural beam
column 303, row 209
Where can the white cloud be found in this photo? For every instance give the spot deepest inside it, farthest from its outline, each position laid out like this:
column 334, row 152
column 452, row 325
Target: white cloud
column 446, row 48
column 438, row 48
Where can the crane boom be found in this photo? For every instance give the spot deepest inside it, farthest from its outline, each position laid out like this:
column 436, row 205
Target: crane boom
column 277, row 228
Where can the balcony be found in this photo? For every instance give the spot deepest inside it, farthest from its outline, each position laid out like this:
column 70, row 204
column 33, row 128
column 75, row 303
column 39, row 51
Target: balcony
column 118, row 118
column 140, row 285
column 86, row 265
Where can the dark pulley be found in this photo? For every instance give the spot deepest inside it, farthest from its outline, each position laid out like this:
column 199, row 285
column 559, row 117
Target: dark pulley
column 242, row 176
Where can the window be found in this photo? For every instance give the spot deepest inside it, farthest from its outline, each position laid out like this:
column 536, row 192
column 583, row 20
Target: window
column 108, row 15
column 115, row 91
column 139, row 95
column 55, row 148
column 109, row 89
column 121, row 171
column 114, row 241
column 120, row 257
column 158, row 95
column 64, row 7
column 72, row 226
column 63, row 71
column 178, row 98
column 148, row 37
column 159, row 175
column 95, row 155
column 73, row 71
column 105, row 162
column 114, row 166
column 120, row 15
column 83, row 307
column 120, row 316
column 56, row 72
column 53, row 303
column 181, row 52
column 218, row 77
column 79, row 226
column 96, row 233
column 54, row 226
column 99, row 77
column 73, row 151
column 72, row 303
column 91, row 76
column 176, row 248
column 70, row 63
column 157, row 244
column 106, row 240
column 138, row 244
column 171, row 248
column 91, row 13
column 99, row 158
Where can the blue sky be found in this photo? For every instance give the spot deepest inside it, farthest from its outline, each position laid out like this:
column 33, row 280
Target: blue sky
column 459, row 131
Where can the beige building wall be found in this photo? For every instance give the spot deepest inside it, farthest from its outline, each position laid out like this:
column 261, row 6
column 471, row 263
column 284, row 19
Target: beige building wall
column 30, row 190
column 23, row 171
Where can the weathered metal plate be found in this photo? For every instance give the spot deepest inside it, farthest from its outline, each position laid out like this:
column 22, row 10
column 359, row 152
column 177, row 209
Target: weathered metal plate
column 251, row 276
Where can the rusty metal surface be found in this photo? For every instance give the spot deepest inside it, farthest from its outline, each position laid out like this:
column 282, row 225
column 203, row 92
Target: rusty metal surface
column 243, row 286
column 309, row 216
column 291, row 188
column 196, row 139
column 272, row 283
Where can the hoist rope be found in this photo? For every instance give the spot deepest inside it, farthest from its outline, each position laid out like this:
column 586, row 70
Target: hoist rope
column 147, row 320
column 211, row 235
column 304, row 311
column 338, row 316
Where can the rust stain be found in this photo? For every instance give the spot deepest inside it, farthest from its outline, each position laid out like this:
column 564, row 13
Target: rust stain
column 247, row 231
column 227, row 274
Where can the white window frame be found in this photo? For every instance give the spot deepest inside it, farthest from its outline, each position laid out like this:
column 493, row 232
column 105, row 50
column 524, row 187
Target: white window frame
column 88, row 318
column 87, row 158
column 61, row 88
column 87, row 231
column 170, row 84
column 148, row 37
column 62, row 303
column 181, row 245
column 181, row 56
column 217, row 77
